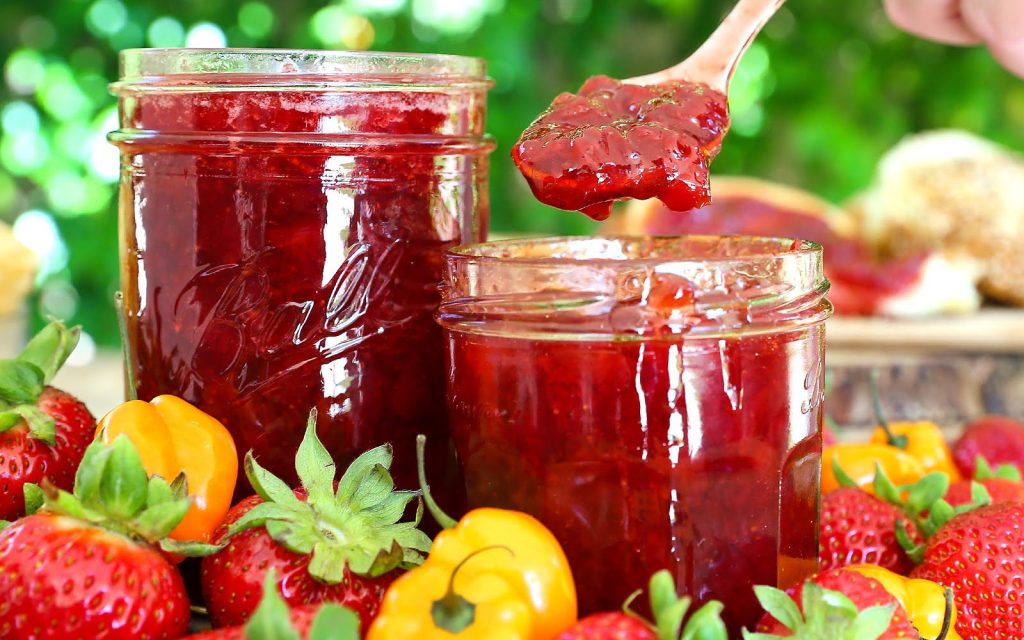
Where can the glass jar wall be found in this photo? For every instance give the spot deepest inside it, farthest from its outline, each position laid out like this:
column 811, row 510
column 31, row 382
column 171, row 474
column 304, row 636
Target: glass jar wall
column 655, row 402
column 284, row 216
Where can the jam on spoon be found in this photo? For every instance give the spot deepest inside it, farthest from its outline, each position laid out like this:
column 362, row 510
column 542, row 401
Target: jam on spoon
column 652, row 136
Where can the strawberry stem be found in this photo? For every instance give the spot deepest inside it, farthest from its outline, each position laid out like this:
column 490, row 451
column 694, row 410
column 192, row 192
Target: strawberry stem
column 126, row 347
column 452, row 612
column 442, row 518
column 899, row 442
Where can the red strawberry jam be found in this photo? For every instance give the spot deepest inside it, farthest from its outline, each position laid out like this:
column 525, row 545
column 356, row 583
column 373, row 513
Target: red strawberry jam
column 658, row 408
column 613, row 140
column 282, row 238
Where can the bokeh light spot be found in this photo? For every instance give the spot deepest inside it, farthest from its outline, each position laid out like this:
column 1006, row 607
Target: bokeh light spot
column 328, row 23
column 18, row 117
column 357, row 33
column 24, row 70
column 106, row 17
column 23, row 152
column 377, row 7
column 206, row 35
column 58, row 298
column 37, row 230
column 255, row 19
column 453, row 18
column 165, row 31
column 59, row 95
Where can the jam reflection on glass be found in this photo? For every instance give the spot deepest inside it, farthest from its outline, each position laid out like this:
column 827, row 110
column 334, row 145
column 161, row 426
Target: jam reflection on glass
column 269, row 273
column 613, row 140
column 700, row 455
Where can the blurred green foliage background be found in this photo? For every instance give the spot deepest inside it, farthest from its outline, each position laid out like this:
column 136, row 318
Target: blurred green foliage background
column 826, row 90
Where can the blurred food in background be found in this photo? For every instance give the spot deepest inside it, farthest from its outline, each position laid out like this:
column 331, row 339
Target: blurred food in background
column 819, row 97
column 956, row 192
column 864, row 280
column 17, row 271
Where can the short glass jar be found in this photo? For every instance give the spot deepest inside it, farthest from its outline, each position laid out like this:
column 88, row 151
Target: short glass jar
column 284, row 216
column 656, row 402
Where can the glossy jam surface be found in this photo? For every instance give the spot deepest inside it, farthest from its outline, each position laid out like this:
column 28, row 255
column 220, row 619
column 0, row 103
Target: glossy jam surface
column 860, row 283
column 281, row 251
column 613, row 140
column 697, row 456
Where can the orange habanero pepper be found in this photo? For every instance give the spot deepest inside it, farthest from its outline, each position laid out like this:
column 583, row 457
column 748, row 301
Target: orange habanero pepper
column 858, row 460
column 174, row 437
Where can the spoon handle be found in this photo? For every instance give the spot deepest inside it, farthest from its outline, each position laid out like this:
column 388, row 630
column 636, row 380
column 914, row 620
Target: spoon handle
column 714, row 62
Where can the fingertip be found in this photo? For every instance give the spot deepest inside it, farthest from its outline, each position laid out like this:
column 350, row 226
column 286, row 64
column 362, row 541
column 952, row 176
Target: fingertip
column 937, row 20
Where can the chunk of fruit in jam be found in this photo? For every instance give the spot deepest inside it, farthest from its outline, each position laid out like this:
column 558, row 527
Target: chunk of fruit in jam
column 613, row 140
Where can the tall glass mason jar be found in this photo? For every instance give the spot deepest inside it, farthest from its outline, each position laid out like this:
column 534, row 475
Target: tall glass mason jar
column 656, row 402
column 284, row 216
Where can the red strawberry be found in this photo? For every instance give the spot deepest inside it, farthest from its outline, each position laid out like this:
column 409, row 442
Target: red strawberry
column 669, row 611
column 273, row 619
column 872, row 610
column 1003, row 485
column 85, row 566
column 980, row 555
column 998, row 439
column 610, row 626
column 344, row 545
column 43, row 431
column 859, row 528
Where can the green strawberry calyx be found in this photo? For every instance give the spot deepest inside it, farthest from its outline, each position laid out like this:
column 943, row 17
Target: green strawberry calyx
column 112, row 491
column 984, row 471
column 23, row 379
column 826, row 614
column 271, row 619
column 923, row 503
column 669, row 611
column 357, row 525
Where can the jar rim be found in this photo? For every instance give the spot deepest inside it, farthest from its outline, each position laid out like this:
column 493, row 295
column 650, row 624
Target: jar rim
column 292, row 67
column 745, row 250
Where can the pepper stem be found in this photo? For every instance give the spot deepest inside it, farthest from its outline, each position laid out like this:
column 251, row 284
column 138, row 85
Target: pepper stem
column 900, row 442
column 452, row 612
column 126, row 347
column 947, row 617
column 443, row 519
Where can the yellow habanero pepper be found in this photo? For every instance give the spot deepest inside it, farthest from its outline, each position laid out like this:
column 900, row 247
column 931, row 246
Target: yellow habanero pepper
column 922, row 440
column 858, row 460
column 174, row 437
column 924, row 600
column 505, row 563
column 494, row 575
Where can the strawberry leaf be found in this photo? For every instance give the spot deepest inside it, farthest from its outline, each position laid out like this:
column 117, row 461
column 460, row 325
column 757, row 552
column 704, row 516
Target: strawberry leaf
column 90, row 472
column 271, row 620
column 159, row 520
column 190, row 548
column 983, row 471
column 50, row 348
column 313, row 463
column 913, row 550
column 884, row 488
column 20, row 382
column 842, row 477
column 334, row 622
column 779, row 605
column 123, row 486
column 354, row 477
column 33, row 497
column 158, row 492
column 267, row 485
column 926, row 491
column 871, row 623
column 40, row 425
column 387, row 560
column 706, row 623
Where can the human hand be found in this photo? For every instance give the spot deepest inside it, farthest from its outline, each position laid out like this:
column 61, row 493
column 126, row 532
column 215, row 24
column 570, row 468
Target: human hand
column 998, row 24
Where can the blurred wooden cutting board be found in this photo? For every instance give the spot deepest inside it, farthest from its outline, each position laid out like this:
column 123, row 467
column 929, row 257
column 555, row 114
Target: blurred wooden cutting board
column 990, row 330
